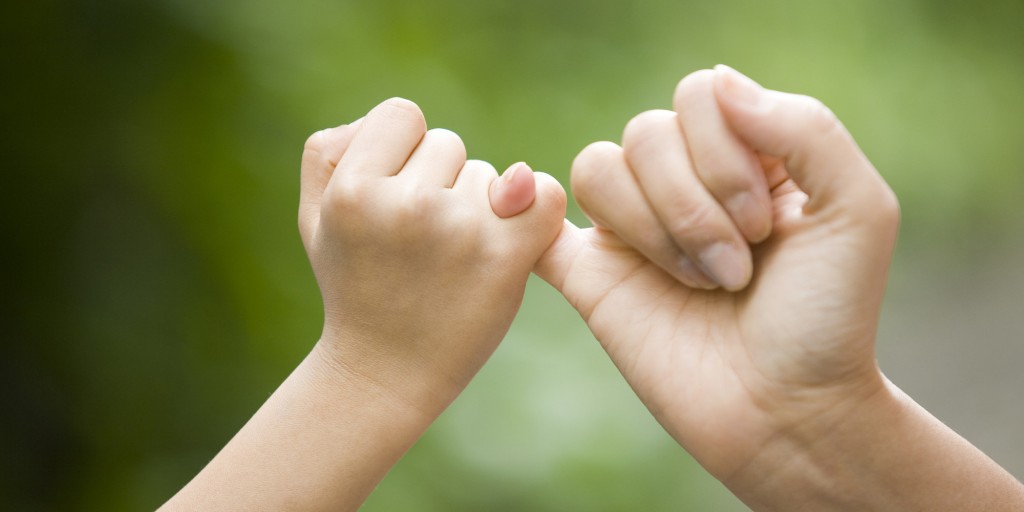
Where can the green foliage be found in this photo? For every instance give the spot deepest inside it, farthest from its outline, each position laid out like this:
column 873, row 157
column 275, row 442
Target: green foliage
column 152, row 149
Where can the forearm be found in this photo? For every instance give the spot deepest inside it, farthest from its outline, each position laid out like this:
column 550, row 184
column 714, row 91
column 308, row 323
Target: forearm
column 890, row 455
column 322, row 441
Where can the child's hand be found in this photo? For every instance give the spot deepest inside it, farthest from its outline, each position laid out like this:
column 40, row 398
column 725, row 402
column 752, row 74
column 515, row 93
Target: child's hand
column 422, row 259
column 743, row 375
column 420, row 277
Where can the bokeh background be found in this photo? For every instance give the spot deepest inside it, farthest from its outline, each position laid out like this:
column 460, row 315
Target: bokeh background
column 156, row 289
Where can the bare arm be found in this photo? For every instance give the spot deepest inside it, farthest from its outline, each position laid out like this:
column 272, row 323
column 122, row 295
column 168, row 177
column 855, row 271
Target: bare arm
column 422, row 259
column 889, row 454
column 322, row 441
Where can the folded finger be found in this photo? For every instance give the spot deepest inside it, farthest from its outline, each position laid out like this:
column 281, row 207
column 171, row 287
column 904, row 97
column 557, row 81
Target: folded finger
column 437, row 159
column 611, row 197
column 388, row 135
column 320, row 156
column 728, row 168
column 474, row 181
column 657, row 154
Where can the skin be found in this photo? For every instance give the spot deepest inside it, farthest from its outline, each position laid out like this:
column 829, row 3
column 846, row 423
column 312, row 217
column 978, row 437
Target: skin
column 759, row 359
column 734, row 275
column 422, row 259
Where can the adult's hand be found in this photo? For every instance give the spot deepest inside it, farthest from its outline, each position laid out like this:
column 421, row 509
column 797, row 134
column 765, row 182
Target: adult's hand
column 759, row 359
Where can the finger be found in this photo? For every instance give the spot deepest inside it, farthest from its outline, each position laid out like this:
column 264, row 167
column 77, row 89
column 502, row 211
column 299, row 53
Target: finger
column 320, row 156
column 611, row 197
column 437, row 160
column 529, row 231
column 657, row 154
column 513, row 193
column 820, row 155
column 388, row 135
column 537, row 225
column 557, row 260
column 475, row 179
column 728, row 168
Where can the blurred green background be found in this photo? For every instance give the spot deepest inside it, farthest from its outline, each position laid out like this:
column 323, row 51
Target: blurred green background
column 157, row 291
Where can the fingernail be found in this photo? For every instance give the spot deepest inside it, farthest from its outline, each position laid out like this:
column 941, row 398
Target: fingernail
column 507, row 177
column 693, row 274
column 737, row 87
column 724, row 263
column 752, row 219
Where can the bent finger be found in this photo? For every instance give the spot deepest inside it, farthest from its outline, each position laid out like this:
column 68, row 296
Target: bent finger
column 657, row 154
column 388, row 135
column 321, row 154
column 437, row 159
column 726, row 166
column 609, row 194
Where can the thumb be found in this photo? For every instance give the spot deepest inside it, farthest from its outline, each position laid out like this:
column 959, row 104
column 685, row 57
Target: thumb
column 557, row 260
column 820, row 155
column 513, row 192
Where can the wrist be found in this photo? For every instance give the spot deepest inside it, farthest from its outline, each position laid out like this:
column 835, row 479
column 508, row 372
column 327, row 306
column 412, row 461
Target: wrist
column 398, row 381
column 322, row 441
column 885, row 453
column 824, row 457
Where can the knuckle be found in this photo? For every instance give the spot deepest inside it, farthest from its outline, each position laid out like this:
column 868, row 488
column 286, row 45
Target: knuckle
column 446, row 139
column 729, row 186
column 814, row 125
column 818, row 117
column 693, row 85
column 693, row 222
column 413, row 203
column 591, row 164
column 481, row 166
column 401, row 109
column 595, row 154
column 315, row 142
column 642, row 127
column 344, row 196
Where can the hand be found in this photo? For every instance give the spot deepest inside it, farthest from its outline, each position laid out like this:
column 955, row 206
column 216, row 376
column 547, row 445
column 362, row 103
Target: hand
column 422, row 258
column 420, row 274
column 732, row 374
